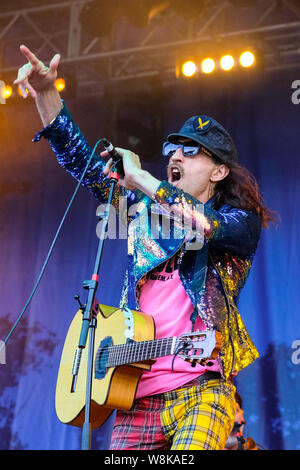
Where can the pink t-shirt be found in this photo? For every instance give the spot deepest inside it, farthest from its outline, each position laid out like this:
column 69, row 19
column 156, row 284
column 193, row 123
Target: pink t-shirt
column 164, row 298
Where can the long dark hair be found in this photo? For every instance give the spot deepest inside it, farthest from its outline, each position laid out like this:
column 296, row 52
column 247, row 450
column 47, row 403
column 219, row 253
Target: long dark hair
column 240, row 189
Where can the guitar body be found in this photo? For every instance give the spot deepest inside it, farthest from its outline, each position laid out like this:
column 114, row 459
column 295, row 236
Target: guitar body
column 117, row 389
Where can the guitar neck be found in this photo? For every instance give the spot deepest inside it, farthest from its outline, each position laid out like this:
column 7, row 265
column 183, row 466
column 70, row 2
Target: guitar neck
column 122, row 354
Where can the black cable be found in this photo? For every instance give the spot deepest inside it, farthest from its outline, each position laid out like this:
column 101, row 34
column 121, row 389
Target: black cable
column 51, row 248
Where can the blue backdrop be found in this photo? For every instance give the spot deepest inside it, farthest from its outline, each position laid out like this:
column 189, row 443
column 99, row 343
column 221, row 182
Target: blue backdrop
column 34, row 192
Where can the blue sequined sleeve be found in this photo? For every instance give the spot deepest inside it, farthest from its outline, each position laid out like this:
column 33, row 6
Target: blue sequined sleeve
column 73, row 151
column 229, row 229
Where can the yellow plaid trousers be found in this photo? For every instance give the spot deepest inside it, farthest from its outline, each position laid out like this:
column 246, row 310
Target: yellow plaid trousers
column 197, row 416
column 200, row 417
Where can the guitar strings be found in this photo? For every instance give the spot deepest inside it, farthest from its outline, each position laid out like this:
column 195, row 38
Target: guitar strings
column 127, row 353
column 136, row 351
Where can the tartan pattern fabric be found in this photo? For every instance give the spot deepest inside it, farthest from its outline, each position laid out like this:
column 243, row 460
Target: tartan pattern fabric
column 140, row 428
column 200, row 417
column 193, row 417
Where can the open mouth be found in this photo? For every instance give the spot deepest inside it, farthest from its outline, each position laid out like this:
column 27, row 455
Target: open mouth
column 175, row 174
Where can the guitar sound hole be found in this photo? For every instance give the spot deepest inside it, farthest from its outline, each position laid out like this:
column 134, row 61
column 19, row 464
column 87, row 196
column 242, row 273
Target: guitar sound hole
column 102, row 358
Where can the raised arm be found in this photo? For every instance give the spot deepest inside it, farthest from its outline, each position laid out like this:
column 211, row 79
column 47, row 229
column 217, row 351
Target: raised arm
column 39, row 81
column 68, row 143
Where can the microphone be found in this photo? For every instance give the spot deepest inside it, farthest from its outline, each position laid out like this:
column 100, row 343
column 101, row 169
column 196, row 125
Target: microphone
column 116, row 157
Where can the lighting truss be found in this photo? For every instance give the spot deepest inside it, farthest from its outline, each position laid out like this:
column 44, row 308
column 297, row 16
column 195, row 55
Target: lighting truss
column 132, row 53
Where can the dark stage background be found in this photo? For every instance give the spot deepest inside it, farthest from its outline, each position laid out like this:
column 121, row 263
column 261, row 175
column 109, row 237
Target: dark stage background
column 34, row 192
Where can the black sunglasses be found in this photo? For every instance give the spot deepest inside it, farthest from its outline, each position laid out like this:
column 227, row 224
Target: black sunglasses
column 187, row 149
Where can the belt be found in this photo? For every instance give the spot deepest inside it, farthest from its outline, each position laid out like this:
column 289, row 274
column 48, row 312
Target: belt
column 209, row 375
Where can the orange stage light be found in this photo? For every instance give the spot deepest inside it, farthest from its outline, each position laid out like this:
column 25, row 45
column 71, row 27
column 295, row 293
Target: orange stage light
column 189, row 68
column 208, row 65
column 247, row 59
column 60, row 84
column 227, row 62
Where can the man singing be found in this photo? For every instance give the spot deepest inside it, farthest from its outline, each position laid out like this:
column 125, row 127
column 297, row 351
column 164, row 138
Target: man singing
column 186, row 283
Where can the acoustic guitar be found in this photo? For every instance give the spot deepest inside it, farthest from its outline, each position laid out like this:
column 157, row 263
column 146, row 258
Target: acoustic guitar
column 125, row 346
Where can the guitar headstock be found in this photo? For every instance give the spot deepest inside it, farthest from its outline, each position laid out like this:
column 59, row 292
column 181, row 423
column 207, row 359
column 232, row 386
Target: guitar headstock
column 198, row 346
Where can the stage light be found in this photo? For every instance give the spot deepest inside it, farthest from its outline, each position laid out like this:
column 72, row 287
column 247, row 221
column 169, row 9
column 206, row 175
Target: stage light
column 189, row 68
column 231, row 59
column 6, row 92
column 227, row 62
column 60, row 84
column 208, row 65
column 247, row 59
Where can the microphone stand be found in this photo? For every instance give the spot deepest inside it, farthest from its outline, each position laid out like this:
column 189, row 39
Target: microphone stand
column 89, row 322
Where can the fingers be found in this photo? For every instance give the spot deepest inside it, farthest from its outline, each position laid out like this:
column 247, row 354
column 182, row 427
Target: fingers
column 30, row 56
column 108, row 165
column 36, row 63
column 23, row 90
column 122, row 152
column 23, row 82
column 104, row 153
column 127, row 154
column 33, row 64
column 29, row 88
column 54, row 63
column 26, row 88
column 129, row 157
column 23, row 73
column 37, row 66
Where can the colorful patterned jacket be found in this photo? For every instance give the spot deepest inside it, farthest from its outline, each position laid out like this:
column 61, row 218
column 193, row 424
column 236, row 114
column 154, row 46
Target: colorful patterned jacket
column 215, row 247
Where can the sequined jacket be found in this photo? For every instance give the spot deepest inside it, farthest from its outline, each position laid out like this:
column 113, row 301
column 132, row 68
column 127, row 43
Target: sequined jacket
column 212, row 272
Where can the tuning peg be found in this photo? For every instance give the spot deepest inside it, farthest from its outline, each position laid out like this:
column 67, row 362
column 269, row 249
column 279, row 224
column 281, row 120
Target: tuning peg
column 77, row 297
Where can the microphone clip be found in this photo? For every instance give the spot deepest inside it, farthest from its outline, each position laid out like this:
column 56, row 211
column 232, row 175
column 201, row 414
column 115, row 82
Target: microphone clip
column 116, row 157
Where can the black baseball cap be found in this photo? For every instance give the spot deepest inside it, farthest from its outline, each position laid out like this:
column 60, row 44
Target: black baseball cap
column 212, row 137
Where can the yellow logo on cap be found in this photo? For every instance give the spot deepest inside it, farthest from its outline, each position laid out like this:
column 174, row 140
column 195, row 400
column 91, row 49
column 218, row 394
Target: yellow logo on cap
column 202, row 124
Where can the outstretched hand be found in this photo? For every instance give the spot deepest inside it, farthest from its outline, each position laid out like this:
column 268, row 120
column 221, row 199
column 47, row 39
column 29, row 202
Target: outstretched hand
column 35, row 76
